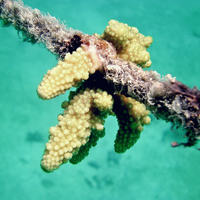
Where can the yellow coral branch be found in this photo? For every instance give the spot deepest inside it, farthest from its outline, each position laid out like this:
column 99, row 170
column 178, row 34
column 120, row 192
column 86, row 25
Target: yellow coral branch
column 74, row 68
column 131, row 116
column 74, row 127
column 130, row 44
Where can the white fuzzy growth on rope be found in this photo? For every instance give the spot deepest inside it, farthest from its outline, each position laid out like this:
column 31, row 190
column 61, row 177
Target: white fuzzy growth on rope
column 41, row 28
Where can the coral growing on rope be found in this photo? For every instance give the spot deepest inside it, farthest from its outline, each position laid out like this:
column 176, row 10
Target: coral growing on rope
column 107, row 71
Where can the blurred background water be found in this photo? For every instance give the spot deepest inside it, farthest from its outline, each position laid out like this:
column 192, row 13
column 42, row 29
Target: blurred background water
column 151, row 169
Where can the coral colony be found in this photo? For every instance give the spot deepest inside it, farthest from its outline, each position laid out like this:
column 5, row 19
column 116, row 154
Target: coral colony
column 107, row 71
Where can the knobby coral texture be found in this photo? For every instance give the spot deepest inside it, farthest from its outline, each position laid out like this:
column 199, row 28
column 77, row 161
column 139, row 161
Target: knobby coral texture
column 107, row 71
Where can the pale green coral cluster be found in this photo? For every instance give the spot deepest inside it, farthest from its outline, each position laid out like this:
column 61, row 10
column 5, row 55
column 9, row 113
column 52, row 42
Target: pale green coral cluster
column 82, row 123
column 101, row 67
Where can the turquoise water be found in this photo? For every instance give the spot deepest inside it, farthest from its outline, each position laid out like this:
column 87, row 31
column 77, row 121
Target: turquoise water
column 151, row 169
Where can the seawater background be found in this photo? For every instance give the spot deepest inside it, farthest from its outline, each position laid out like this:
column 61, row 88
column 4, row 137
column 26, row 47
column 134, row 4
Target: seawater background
column 151, row 169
